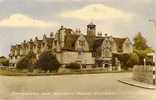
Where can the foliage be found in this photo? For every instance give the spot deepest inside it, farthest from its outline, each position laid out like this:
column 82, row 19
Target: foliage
column 133, row 60
column 126, row 60
column 47, row 61
column 123, row 58
column 73, row 66
column 27, row 62
column 141, row 48
column 140, row 42
column 4, row 61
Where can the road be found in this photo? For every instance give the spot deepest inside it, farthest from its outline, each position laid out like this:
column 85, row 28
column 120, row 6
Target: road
column 72, row 87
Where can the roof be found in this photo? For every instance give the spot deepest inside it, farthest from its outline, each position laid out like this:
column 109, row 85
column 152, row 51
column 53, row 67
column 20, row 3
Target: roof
column 13, row 47
column 91, row 23
column 97, row 43
column 119, row 42
column 70, row 40
column 39, row 42
column 18, row 46
column 48, row 40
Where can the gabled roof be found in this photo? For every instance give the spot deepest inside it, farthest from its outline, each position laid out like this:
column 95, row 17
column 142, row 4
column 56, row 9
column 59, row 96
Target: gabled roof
column 97, row 43
column 13, row 47
column 24, row 44
column 49, row 40
column 38, row 42
column 119, row 41
column 70, row 40
column 18, row 46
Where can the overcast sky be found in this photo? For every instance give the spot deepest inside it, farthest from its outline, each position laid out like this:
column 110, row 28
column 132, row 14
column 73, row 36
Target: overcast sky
column 25, row 19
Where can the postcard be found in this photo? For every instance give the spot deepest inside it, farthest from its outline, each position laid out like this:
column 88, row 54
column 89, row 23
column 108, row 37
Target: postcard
column 77, row 49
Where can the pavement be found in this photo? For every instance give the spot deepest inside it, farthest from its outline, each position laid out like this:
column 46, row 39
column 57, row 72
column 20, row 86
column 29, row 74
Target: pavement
column 133, row 82
column 72, row 87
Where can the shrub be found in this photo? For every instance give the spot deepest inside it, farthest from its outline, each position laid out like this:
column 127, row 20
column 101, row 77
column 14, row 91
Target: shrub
column 27, row 62
column 126, row 60
column 47, row 61
column 73, row 66
column 133, row 60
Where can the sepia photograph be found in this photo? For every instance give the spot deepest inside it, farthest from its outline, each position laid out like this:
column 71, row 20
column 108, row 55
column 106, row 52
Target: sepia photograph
column 77, row 50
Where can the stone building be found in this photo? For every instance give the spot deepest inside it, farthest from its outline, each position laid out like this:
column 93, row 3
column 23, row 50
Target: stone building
column 73, row 46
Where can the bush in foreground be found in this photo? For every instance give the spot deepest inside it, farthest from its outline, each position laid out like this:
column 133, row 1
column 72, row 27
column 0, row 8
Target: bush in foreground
column 73, row 66
column 48, row 62
column 27, row 62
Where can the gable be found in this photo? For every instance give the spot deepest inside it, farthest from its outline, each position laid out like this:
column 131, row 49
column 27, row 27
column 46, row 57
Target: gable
column 119, row 43
column 81, row 43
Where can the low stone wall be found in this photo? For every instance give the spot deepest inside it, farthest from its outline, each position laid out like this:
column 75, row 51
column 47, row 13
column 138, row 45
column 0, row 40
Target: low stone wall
column 143, row 74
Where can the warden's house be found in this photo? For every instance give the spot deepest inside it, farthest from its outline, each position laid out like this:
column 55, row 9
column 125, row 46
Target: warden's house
column 70, row 46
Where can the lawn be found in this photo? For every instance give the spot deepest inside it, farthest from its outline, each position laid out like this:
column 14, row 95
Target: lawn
column 41, row 73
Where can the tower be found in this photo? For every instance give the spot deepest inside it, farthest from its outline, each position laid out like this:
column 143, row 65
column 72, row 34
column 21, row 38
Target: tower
column 91, row 30
column 91, row 34
column 51, row 35
column 62, row 35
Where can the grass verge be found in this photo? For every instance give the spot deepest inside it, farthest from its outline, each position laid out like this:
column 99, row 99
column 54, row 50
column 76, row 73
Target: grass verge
column 19, row 73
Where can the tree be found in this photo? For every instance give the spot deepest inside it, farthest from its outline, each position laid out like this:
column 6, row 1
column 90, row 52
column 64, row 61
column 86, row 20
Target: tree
column 4, row 61
column 27, row 62
column 47, row 61
column 133, row 60
column 140, row 42
column 141, row 48
column 126, row 60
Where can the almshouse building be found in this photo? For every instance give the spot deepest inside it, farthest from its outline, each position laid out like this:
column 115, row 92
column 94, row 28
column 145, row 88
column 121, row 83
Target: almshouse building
column 72, row 46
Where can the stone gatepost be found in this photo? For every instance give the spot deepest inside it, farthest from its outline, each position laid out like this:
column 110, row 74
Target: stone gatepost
column 118, row 65
column 81, row 66
column 110, row 67
column 103, row 66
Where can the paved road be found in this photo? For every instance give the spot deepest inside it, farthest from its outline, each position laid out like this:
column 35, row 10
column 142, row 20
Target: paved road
column 72, row 87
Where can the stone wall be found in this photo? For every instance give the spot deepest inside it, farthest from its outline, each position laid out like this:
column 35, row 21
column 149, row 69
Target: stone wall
column 67, row 57
column 143, row 73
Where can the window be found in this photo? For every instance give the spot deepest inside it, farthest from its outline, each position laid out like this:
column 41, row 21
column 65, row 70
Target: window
column 15, row 57
column 120, row 48
column 80, row 51
column 55, row 43
column 81, row 42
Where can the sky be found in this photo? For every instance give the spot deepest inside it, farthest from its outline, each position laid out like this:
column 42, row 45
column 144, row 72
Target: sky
column 24, row 19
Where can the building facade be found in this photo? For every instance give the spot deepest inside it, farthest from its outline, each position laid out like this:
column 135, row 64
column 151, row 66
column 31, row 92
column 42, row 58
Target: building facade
column 71, row 46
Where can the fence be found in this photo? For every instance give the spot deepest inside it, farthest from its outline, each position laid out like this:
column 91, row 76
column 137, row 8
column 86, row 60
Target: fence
column 144, row 74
